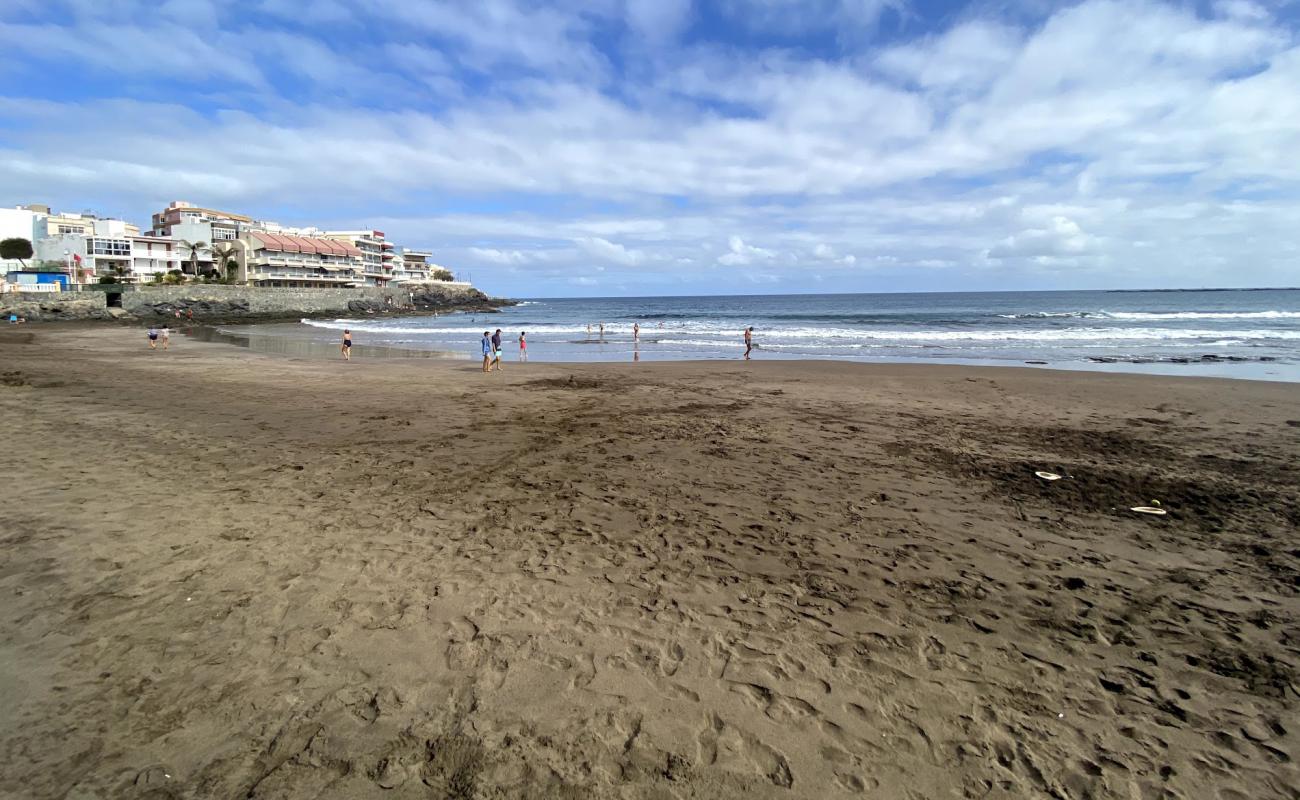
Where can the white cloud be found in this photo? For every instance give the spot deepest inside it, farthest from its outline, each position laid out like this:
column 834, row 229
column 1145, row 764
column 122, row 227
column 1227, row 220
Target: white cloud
column 969, row 56
column 824, row 252
column 495, row 256
column 1241, row 9
column 798, row 17
column 739, row 254
column 1062, row 237
column 611, row 252
column 658, row 20
column 1101, row 124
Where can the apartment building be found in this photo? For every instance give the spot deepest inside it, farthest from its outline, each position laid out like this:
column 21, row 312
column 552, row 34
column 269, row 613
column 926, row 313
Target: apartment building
column 154, row 255
column 413, row 266
column 85, row 225
column 378, row 255
column 191, row 224
column 85, row 255
column 281, row 260
column 128, row 258
column 183, row 213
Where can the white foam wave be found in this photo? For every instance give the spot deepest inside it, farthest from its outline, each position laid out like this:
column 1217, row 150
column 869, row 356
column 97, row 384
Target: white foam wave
column 828, row 335
column 1152, row 316
column 1050, row 315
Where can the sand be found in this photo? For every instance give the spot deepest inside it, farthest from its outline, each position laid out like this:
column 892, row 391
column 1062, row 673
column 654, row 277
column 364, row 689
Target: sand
column 228, row 574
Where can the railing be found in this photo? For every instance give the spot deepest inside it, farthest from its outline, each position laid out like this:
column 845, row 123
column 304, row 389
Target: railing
column 45, row 288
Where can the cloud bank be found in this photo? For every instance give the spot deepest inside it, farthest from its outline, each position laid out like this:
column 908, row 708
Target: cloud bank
column 669, row 147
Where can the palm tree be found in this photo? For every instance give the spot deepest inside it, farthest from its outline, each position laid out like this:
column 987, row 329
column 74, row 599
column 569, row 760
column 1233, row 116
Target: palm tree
column 194, row 248
column 223, row 257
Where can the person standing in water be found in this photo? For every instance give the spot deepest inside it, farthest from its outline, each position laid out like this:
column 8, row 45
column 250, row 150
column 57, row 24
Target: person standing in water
column 749, row 341
column 523, row 346
column 636, row 331
column 588, row 330
column 346, row 347
column 602, row 331
column 487, row 351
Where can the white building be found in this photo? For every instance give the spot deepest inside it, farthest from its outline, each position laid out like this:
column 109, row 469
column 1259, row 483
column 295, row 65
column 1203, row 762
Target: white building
column 153, row 255
column 413, row 266
column 192, row 224
column 18, row 223
column 378, row 255
column 89, row 257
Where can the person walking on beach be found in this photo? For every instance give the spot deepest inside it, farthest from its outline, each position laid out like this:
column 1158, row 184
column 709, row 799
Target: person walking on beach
column 346, row 347
column 166, row 336
column 487, row 351
column 749, row 341
column 523, row 346
column 153, row 338
column 496, row 349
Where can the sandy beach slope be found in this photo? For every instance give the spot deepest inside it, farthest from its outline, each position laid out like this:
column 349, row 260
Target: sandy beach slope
column 232, row 575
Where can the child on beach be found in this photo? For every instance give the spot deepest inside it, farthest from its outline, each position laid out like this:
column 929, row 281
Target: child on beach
column 346, row 347
column 166, row 336
column 523, row 346
column 153, row 338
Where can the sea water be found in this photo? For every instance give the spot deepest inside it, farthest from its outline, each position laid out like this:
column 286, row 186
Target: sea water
column 1231, row 333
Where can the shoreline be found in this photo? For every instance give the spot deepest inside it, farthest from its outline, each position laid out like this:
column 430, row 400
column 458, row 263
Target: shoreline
column 1222, row 368
column 716, row 579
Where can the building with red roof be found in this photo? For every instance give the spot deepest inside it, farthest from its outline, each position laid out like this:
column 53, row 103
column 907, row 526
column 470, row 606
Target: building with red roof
column 283, row 260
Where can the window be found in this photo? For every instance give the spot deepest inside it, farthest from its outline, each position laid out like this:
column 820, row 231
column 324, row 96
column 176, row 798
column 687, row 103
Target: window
column 110, row 247
column 71, row 229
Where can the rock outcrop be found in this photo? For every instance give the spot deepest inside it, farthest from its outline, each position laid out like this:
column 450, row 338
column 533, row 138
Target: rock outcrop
column 221, row 303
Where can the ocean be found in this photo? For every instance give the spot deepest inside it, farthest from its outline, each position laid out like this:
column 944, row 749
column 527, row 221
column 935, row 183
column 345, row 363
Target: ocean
column 1230, row 333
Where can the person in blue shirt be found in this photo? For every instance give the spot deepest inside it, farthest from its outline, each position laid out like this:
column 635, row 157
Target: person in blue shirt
column 496, row 349
column 487, row 351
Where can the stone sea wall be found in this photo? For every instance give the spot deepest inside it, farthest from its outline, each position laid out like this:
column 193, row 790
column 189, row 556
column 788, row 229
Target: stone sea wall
column 53, row 306
column 209, row 300
column 216, row 302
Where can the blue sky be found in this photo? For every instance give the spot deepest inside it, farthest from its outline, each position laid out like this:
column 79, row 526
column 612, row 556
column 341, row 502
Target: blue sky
column 624, row 147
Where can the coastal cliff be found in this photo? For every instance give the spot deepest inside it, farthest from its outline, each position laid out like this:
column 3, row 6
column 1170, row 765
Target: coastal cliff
column 221, row 303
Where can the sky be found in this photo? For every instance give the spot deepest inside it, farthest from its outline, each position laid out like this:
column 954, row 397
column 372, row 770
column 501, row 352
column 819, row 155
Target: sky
column 668, row 147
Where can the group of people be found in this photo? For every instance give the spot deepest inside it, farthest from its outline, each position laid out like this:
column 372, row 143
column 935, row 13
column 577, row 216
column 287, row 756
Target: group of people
column 491, row 344
column 492, row 349
column 155, row 334
column 636, row 330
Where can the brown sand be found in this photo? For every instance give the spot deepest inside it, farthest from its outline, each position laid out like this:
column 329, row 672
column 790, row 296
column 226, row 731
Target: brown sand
column 231, row 575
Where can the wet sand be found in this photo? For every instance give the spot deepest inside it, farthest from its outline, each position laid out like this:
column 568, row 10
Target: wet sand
column 234, row 574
